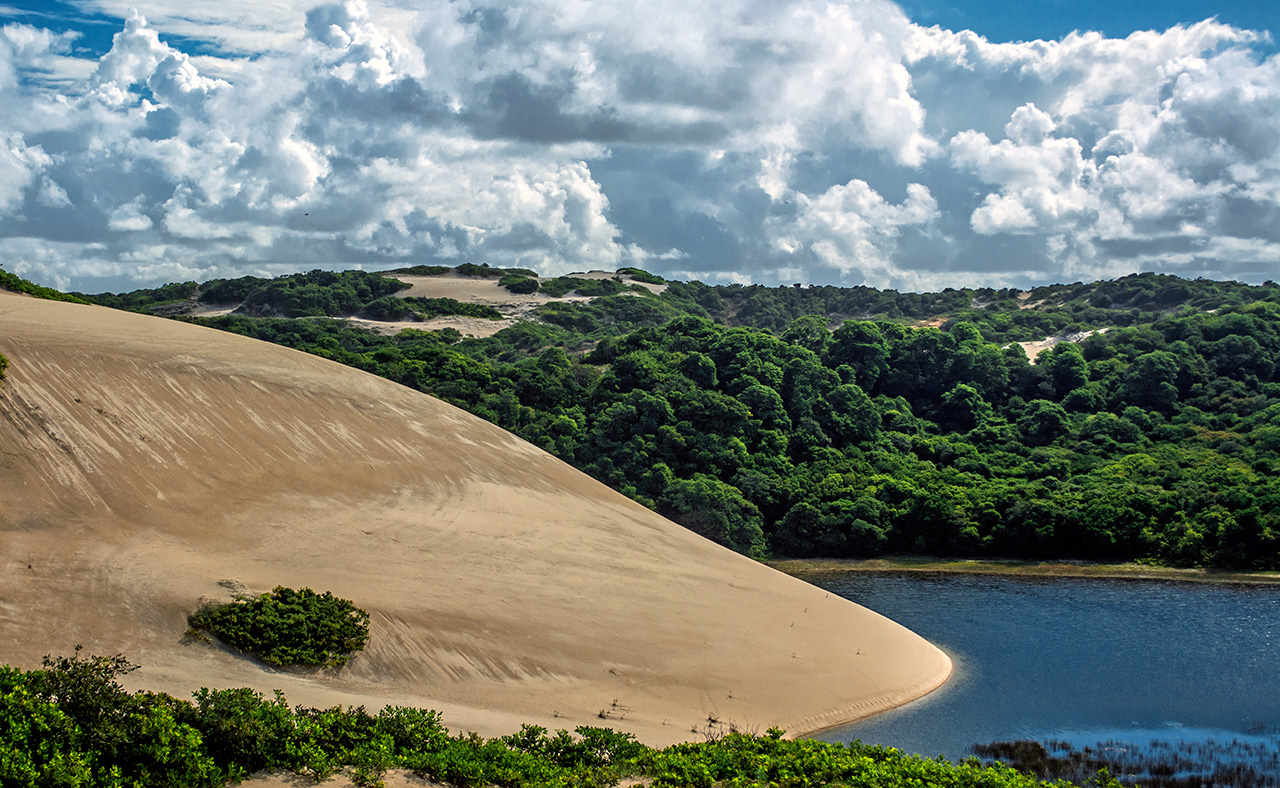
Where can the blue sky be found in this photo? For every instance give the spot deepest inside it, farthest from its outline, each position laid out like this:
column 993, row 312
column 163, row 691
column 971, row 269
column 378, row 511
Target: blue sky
column 917, row 145
column 1005, row 21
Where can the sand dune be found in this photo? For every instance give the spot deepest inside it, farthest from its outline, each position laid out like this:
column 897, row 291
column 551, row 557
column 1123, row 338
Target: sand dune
column 147, row 464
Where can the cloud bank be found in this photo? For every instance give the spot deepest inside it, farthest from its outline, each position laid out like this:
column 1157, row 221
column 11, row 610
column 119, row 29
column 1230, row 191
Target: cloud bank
column 823, row 142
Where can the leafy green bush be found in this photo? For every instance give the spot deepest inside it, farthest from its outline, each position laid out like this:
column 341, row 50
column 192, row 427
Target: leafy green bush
column 16, row 284
column 389, row 308
column 4, row 364
column 230, row 291
column 482, row 271
column 144, row 300
column 516, row 283
column 320, row 293
column 72, row 724
column 587, row 287
column 423, row 270
column 438, row 307
column 641, row 275
column 288, row 627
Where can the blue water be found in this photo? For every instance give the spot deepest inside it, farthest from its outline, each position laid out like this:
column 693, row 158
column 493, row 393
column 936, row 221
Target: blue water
column 1078, row 659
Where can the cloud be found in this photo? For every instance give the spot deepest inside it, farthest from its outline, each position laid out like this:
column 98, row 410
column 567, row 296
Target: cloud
column 800, row 140
column 851, row 228
column 20, row 164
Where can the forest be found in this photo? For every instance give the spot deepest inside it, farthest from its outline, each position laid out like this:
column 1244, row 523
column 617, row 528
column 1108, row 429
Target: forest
column 853, row 422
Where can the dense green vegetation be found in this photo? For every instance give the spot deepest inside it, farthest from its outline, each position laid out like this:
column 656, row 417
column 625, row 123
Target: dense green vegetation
column 4, row 365
column 416, row 308
column 739, row 413
column 16, row 284
column 288, row 627
column 423, row 270
column 519, row 284
column 591, row 288
column 71, row 725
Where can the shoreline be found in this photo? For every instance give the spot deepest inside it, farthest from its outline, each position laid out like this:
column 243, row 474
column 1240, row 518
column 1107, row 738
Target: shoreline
column 934, row 684
column 805, row 568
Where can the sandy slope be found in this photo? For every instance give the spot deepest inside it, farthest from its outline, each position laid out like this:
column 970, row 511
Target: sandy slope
column 147, row 464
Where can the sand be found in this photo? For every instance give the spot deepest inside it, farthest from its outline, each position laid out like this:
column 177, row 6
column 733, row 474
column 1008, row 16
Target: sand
column 146, row 465
column 1033, row 349
column 514, row 307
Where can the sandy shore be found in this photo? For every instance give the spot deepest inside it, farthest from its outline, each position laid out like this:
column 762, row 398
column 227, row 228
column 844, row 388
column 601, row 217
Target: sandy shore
column 818, row 567
column 147, row 464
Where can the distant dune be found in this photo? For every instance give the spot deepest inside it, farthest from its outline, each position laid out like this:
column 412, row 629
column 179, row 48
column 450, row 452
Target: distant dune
column 146, row 465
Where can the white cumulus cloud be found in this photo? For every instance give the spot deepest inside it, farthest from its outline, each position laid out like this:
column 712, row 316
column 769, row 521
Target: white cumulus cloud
column 814, row 140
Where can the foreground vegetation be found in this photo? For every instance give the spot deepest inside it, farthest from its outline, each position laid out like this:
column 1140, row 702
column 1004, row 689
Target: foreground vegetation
column 288, row 627
column 72, row 725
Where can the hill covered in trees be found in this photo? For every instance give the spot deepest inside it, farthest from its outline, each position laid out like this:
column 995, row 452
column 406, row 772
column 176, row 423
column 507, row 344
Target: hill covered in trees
column 824, row 421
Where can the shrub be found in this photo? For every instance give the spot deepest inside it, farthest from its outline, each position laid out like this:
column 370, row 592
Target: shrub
column 641, row 275
column 438, row 307
column 519, row 284
column 4, row 364
column 72, row 725
column 288, row 627
column 482, row 271
column 17, row 284
column 423, row 270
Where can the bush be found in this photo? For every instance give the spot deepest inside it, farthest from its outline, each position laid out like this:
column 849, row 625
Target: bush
column 4, row 364
column 518, row 284
column 17, row 284
column 439, row 307
column 423, row 270
column 641, row 275
column 482, row 271
column 73, row 725
column 288, row 627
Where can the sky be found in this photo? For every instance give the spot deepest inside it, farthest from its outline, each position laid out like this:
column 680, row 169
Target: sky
column 914, row 146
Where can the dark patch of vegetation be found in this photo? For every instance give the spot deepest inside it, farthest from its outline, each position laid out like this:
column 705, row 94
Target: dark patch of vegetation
column 437, row 307
column 415, row 308
column 311, row 294
column 16, row 284
column 483, row 271
column 144, row 300
column 423, row 270
column 319, row 293
column 288, row 627
column 4, row 365
column 519, row 284
column 71, row 724
column 591, row 288
column 230, row 291
column 1157, row 764
column 641, row 275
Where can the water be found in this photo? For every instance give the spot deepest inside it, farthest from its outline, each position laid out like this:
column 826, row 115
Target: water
column 1079, row 660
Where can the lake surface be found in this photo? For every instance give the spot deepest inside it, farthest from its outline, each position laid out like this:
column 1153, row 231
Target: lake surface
column 1082, row 660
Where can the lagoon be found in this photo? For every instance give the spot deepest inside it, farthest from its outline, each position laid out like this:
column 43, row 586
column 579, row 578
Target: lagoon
column 1080, row 660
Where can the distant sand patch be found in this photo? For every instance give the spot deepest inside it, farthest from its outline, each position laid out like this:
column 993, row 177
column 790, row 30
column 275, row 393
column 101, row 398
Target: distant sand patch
column 1036, row 347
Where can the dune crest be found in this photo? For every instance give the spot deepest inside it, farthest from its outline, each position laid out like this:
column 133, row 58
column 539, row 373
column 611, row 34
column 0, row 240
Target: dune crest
column 147, row 464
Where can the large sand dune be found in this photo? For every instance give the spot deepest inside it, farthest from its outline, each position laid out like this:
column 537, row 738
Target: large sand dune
column 147, row 464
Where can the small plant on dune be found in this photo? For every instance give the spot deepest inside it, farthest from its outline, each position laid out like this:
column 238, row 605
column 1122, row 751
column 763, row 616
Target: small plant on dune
column 4, row 364
column 288, row 627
